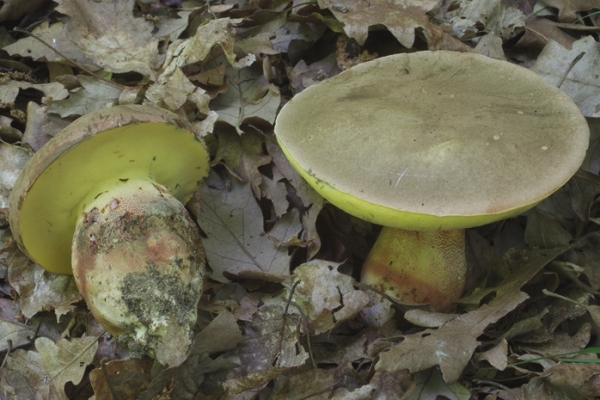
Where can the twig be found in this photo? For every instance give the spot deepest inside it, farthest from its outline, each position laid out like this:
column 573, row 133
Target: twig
column 570, row 67
column 73, row 63
column 9, row 342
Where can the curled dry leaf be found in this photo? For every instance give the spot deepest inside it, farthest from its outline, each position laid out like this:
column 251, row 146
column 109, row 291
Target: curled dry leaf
column 326, row 296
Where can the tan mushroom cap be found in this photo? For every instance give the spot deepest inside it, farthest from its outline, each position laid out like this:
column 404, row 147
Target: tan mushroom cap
column 434, row 140
column 97, row 152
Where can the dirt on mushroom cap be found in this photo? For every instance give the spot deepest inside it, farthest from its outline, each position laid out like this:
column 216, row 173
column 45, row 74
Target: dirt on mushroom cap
column 434, row 140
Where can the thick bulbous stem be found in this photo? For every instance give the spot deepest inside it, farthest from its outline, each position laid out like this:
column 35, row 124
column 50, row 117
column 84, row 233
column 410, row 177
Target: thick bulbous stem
column 418, row 267
column 138, row 261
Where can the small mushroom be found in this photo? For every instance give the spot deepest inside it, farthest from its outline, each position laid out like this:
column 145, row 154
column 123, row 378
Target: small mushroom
column 103, row 200
column 428, row 144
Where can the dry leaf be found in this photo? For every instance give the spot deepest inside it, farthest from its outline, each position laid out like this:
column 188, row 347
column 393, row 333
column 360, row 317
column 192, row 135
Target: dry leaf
column 326, row 296
column 108, row 33
column 218, row 32
column 66, row 361
column 402, row 20
column 121, row 379
column 220, row 335
column 582, row 83
column 431, row 386
column 18, row 334
column 94, row 95
column 248, row 97
column 452, row 345
column 233, row 223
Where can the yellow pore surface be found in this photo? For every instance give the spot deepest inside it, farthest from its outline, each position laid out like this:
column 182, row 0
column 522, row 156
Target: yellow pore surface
column 156, row 152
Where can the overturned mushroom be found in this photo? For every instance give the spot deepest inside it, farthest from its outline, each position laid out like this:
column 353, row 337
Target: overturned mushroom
column 103, row 200
column 428, row 144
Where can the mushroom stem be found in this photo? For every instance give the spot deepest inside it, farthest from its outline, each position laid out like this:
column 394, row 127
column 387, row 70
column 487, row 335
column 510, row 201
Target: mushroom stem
column 138, row 261
column 426, row 267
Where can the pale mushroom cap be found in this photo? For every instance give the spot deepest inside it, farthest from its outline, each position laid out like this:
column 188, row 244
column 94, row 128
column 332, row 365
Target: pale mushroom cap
column 93, row 154
column 434, row 140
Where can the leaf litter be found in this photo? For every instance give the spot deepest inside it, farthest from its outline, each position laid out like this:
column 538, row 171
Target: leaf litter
column 283, row 315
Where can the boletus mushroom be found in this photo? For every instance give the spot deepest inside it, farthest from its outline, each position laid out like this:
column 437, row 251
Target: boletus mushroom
column 103, row 200
column 428, row 144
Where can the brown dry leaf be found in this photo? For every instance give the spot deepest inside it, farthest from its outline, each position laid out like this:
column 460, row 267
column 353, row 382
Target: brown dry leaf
column 41, row 126
column 326, row 296
column 38, row 289
column 568, row 9
column 545, row 232
column 312, row 201
column 491, row 16
column 23, row 377
column 452, row 345
column 108, row 33
column 584, row 188
column 94, row 95
column 12, row 161
column 497, row 356
column 431, row 386
column 314, row 384
column 539, row 31
column 121, row 379
column 582, row 83
column 218, row 32
column 233, row 223
column 248, row 98
column 402, row 20
column 52, row 91
column 271, row 347
column 58, row 37
column 18, row 334
column 66, row 361
column 15, row 9
column 243, row 155
column 573, row 381
column 175, row 91
column 220, row 335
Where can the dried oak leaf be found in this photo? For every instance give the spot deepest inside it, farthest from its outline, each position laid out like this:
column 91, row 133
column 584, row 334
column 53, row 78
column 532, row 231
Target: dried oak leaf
column 326, row 296
column 451, row 346
column 243, row 155
column 175, row 91
column 271, row 347
column 248, row 97
column 218, row 32
column 430, row 385
column 38, row 289
column 568, row 9
column 121, row 379
column 65, row 361
column 573, row 381
column 23, row 377
column 94, row 95
column 108, row 33
column 402, row 20
column 18, row 334
column 221, row 334
column 234, row 226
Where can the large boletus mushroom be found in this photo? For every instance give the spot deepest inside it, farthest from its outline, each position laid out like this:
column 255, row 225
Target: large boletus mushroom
column 103, row 200
column 428, row 144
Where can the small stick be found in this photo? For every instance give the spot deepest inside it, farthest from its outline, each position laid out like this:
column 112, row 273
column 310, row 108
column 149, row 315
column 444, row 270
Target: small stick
column 73, row 63
column 570, row 67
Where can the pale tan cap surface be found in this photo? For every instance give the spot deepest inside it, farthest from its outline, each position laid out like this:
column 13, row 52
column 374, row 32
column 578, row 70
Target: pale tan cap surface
column 438, row 134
